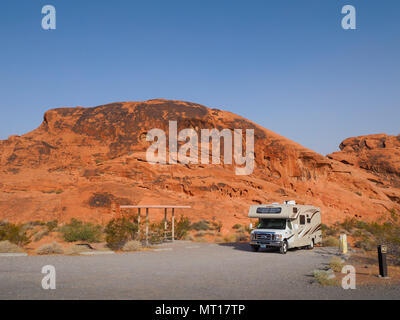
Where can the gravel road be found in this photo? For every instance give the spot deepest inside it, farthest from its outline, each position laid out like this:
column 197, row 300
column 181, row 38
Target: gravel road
column 182, row 270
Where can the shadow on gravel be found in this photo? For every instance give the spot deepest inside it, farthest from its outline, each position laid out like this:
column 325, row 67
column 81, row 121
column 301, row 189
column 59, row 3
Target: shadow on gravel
column 246, row 247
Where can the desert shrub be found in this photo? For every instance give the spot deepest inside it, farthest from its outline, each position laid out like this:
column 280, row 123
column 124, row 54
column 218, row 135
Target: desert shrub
column 75, row 249
column 336, row 264
column 322, row 277
column 242, row 237
column 132, row 245
column 349, row 224
column 79, row 231
column 200, row 239
column 156, row 232
column 217, row 225
column 182, row 227
column 119, row 231
column 237, row 226
column 9, row 247
column 200, row 234
column 201, row 225
column 40, row 234
column 51, row 225
column 365, row 244
column 328, row 231
column 14, row 233
column 330, row 242
column 50, row 248
column 229, row 238
column 188, row 237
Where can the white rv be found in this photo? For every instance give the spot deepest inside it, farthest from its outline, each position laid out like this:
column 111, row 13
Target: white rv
column 285, row 226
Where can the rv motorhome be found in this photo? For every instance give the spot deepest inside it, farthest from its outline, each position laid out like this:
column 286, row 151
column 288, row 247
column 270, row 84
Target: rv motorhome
column 285, row 226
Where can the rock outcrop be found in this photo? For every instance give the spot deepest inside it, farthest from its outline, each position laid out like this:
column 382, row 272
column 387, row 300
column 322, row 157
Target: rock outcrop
column 82, row 161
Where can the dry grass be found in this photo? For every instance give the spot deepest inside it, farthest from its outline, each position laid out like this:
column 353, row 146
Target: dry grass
column 132, row 246
column 8, row 247
column 322, row 277
column 50, row 248
column 229, row 238
column 75, row 250
column 336, row 264
column 330, row 242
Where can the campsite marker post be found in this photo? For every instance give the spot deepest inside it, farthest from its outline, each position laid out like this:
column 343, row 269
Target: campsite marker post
column 382, row 250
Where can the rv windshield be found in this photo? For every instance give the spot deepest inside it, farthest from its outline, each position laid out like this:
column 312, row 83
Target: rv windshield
column 272, row 224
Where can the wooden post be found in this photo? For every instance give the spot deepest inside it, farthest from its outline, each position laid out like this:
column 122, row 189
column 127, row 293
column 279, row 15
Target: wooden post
column 173, row 224
column 138, row 223
column 165, row 224
column 147, row 226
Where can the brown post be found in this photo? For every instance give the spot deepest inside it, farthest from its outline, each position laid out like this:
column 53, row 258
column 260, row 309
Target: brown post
column 173, row 224
column 138, row 223
column 165, row 224
column 147, row 226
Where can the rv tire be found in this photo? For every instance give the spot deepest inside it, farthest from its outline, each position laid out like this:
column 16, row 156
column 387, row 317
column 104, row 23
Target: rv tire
column 284, row 247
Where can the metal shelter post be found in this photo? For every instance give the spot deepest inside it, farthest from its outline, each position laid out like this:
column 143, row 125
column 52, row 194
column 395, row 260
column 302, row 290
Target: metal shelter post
column 147, row 226
column 173, row 224
column 138, row 223
column 165, row 224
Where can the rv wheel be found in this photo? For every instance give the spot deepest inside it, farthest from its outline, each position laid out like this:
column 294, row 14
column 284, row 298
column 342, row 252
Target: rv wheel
column 254, row 248
column 283, row 248
column 311, row 245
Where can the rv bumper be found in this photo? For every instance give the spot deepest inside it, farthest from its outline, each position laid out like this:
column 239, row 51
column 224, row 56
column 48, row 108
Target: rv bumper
column 266, row 243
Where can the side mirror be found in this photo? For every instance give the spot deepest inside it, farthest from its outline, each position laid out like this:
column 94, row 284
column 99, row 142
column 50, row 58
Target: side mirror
column 251, row 226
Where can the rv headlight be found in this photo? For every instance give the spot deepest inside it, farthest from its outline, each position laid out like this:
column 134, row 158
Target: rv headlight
column 278, row 237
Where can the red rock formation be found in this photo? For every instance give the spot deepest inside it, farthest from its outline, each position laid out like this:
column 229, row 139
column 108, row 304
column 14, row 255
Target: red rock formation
column 81, row 161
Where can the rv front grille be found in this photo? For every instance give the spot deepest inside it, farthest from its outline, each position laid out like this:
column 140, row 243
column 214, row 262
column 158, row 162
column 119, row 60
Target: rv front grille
column 264, row 236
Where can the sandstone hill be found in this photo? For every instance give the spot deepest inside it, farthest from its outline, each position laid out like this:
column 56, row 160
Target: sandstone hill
column 82, row 161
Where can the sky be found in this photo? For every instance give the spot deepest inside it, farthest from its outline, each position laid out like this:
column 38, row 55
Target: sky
column 286, row 65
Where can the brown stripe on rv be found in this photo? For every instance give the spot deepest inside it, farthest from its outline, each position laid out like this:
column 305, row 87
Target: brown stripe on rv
column 306, row 232
column 315, row 212
column 317, row 228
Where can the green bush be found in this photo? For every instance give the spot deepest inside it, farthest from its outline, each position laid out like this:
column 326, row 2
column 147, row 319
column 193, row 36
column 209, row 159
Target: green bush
column 119, row 231
column 13, row 233
column 237, row 226
column 182, row 227
column 79, row 231
column 51, row 225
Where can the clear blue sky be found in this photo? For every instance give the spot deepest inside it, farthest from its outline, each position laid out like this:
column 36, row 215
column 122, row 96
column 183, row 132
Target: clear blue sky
column 287, row 65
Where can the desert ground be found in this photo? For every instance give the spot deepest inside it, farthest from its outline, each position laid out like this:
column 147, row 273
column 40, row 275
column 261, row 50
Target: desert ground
column 183, row 270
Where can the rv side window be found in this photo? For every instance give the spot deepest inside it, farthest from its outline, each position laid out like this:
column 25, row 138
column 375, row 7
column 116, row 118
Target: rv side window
column 302, row 219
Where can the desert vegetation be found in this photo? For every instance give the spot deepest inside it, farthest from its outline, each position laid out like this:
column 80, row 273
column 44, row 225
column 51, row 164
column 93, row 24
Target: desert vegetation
column 368, row 235
column 77, row 230
column 9, row 247
column 50, row 248
column 15, row 234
